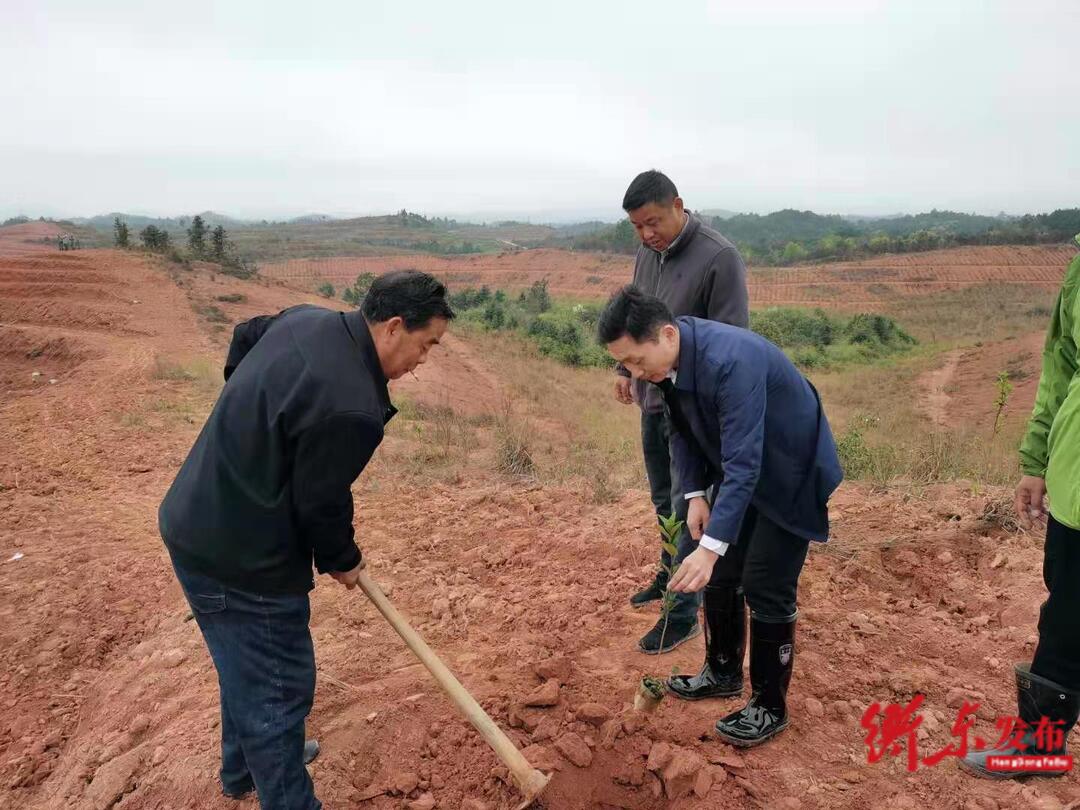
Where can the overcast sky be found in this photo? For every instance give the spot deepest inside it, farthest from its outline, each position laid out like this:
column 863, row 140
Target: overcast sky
column 543, row 109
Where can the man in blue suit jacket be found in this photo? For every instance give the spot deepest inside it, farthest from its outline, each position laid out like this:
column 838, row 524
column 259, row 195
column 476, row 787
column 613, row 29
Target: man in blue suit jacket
column 749, row 426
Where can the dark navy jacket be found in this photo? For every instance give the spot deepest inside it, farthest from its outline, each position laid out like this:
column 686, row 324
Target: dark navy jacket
column 266, row 488
column 758, row 429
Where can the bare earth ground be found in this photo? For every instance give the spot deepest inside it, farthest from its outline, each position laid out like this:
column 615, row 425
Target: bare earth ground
column 863, row 284
column 108, row 696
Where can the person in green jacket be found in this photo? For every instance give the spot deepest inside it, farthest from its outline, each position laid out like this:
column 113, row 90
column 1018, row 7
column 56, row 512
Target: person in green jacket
column 1048, row 689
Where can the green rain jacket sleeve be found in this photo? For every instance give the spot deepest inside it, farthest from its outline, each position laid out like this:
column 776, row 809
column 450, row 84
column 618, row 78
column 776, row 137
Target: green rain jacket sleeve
column 1058, row 368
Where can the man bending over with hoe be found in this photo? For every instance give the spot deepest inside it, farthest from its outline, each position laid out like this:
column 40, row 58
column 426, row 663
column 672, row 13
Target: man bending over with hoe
column 266, row 490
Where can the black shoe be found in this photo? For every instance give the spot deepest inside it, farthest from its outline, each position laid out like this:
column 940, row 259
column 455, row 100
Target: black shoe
column 311, row 750
column 678, row 631
column 725, row 646
column 238, row 793
column 653, row 593
column 1037, row 698
column 772, row 655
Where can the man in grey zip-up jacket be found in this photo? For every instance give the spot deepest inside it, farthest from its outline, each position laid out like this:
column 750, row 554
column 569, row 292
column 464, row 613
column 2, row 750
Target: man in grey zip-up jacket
column 694, row 271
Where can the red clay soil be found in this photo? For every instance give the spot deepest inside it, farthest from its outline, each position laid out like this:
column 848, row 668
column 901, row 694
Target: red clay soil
column 108, row 696
column 29, row 237
column 863, row 284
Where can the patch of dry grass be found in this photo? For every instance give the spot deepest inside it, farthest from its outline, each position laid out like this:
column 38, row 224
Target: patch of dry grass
column 199, row 370
column 578, row 429
column 988, row 312
column 437, row 442
column 513, row 455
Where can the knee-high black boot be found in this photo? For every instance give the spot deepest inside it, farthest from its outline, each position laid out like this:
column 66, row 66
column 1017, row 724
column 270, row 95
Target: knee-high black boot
column 725, row 646
column 1037, row 698
column 772, row 656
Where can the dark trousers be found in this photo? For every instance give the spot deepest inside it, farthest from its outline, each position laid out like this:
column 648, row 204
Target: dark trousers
column 667, row 497
column 261, row 647
column 766, row 561
column 1057, row 655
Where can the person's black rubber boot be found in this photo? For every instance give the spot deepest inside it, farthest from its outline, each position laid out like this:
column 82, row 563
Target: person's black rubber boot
column 654, row 592
column 772, row 657
column 725, row 647
column 1036, row 698
column 311, row 750
column 678, row 631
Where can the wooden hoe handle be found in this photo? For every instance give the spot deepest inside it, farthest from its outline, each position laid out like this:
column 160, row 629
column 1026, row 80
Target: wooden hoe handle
column 529, row 780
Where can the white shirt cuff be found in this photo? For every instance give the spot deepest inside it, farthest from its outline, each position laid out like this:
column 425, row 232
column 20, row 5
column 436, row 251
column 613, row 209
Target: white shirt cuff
column 691, row 495
column 713, row 545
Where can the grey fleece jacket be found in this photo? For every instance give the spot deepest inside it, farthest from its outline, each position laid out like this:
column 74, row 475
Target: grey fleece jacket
column 700, row 274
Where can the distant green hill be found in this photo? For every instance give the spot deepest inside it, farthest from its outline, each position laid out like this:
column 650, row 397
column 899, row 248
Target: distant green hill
column 784, row 226
column 720, row 213
column 104, row 222
column 790, row 236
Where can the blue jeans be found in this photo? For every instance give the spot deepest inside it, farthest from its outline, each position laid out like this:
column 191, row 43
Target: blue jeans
column 667, row 496
column 261, row 647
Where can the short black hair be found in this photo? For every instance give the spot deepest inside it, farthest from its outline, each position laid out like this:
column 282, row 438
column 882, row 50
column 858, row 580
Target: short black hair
column 649, row 187
column 632, row 312
column 413, row 296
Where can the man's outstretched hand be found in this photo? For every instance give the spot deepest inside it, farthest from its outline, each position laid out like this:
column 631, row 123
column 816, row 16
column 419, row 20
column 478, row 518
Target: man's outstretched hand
column 1030, row 502
column 694, row 572
column 349, row 578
